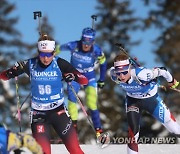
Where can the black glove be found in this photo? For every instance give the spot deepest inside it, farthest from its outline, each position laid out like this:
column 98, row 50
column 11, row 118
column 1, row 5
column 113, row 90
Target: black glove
column 68, row 77
column 100, row 84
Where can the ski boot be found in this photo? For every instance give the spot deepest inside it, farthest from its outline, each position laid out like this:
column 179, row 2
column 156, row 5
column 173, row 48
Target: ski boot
column 103, row 139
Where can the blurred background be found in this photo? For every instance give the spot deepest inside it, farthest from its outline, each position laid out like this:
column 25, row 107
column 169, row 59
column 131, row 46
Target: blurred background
column 148, row 30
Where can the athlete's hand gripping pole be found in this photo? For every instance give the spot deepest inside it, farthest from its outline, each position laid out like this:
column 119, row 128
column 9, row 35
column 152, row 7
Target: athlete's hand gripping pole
column 175, row 85
column 166, row 87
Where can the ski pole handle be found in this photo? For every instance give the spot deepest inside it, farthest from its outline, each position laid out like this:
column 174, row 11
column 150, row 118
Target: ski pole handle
column 94, row 18
column 38, row 14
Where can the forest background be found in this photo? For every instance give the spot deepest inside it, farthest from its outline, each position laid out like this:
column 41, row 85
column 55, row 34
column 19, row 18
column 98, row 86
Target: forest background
column 148, row 30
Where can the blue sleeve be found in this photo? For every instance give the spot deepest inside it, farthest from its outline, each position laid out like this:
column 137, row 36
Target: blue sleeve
column 70, row 46
column 103, row 68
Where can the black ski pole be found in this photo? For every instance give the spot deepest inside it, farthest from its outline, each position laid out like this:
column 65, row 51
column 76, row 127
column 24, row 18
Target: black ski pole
column 82, row 107
column 104, row 138
column 23, row 103
column 18, row 103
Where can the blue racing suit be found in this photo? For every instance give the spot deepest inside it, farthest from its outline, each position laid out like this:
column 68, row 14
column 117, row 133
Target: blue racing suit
column 47, row 102
column 84, row 62
column 142, row 94
column 3, row 140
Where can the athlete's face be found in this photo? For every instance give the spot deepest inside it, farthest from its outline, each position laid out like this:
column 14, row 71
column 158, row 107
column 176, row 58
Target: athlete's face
column 46, row 58
column 123, row 73
column 86, row 47
column 124, row 76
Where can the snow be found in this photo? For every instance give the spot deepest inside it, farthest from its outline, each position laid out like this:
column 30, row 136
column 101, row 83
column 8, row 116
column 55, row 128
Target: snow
column 120, row 149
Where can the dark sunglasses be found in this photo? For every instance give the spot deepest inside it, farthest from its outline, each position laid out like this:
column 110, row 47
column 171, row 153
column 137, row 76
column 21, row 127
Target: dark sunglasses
column 87, row 43
column 46, row 54
column 124, row 73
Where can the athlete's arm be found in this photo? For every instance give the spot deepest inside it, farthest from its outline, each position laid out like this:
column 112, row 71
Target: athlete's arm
column 162, row 71
column 151, row 74
column 70, row 46
column 18, row 69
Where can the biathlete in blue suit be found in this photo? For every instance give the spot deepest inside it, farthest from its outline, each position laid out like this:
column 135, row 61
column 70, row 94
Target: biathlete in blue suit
column 84, row 54
column 142, row 94
column 46, row 72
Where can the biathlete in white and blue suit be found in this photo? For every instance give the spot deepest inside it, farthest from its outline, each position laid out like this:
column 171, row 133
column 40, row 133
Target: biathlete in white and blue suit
column 84, row 54
column 142, row 94
column 46, row 72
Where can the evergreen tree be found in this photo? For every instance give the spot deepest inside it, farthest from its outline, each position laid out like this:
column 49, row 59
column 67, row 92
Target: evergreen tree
column 166, row 18
column 46, row 27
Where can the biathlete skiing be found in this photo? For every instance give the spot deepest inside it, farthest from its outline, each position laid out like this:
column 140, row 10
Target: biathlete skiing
column 46, row 72
column 84, row 54
column 141, row 89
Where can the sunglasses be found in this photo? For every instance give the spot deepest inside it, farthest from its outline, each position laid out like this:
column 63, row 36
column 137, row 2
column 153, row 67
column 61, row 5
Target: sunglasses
column 46, row 54
column 124, row 73
column 87, row 43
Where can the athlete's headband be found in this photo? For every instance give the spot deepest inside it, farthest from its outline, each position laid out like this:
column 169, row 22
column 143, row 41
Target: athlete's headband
column 122, row 65
column 46, row 46
column 88, row 36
